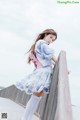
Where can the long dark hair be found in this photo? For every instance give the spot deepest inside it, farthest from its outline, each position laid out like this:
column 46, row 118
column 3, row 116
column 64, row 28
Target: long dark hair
column 41, row 36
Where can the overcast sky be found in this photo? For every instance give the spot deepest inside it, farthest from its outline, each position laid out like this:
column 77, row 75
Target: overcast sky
column 21, row 22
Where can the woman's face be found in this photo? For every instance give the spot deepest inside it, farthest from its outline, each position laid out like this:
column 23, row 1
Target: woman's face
column 49, row 38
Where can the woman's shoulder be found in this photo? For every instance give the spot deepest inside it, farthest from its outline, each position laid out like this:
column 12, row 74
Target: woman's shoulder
column 41, row 41
column 43, row 46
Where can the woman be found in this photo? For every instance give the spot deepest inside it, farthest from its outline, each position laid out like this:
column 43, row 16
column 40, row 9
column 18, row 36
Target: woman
column 38, row 82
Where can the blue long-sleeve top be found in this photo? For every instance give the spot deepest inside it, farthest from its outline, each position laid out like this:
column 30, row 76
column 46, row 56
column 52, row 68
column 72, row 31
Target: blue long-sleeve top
column 43, row 52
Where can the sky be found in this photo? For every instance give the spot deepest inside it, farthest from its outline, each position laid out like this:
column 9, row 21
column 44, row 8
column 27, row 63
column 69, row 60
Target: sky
column 21, row 22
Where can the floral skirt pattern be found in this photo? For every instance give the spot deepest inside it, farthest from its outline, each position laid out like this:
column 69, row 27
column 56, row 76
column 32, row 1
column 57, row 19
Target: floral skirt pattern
column 37, row 81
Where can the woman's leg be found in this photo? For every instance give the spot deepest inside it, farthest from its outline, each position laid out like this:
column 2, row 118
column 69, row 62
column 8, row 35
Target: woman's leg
column 32, row 105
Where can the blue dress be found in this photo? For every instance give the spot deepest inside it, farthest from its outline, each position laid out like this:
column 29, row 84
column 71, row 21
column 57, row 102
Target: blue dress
column 40, row 78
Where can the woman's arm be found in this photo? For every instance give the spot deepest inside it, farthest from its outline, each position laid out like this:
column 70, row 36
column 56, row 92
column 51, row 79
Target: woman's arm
column 54, row 59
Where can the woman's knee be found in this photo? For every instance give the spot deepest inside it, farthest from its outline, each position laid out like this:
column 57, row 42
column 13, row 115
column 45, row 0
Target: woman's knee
column 39, row 93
